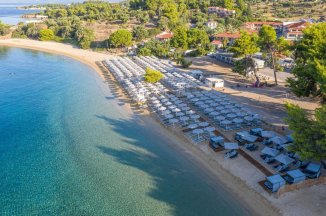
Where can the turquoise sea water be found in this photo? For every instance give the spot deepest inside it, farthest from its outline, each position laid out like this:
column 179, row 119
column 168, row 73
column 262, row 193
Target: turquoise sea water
column 68, row 147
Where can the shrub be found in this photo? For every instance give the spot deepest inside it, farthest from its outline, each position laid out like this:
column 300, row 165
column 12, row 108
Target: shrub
column 152, row 76
column 185, row 63
column 46, row 35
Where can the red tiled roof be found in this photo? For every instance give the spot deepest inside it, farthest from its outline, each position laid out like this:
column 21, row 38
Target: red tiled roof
column 298, row 25
column 263, row 23
column 228, row 35
column 164, row 35
column 216, row 42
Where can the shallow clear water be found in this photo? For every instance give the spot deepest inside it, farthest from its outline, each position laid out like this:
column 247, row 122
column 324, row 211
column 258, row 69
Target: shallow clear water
column 9, row 13
column 68, row 147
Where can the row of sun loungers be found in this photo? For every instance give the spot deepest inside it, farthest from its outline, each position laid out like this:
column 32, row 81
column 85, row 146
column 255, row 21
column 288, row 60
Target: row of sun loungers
column 226, row 113
column 177, row 102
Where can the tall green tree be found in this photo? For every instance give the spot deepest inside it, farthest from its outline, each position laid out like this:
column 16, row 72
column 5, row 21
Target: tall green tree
column 270, row 44
column 139, row 33
column 4, row 29
column 180, row 39
column 310, row 63
column 46, row 35
column 309, row 133
column 152, row 76
column 84, row 37
column 121, row 38
column 246, row 46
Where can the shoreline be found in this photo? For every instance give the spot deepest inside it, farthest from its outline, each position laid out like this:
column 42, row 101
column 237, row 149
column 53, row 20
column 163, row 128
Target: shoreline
column 213, row 170
column 256, row 203
column 80, row 55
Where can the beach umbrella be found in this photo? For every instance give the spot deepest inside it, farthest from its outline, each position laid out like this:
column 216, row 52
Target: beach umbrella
column 164, row 100
column 162, row 108
column 203, row 106
column 235, row 110
column 193, row 126
column 209, row 129
column 225, row 123
column 231, row 145
column 219, row 108
column 169, row 116
column 174, row 120
column 219, row 118
column 172, row 107
column 231, row 115
column 225, row 111
column 198, row 131
column 179, row 114
column 184, row 118
column 194, row 99
column 155, row 101
column 195, row 116
column 166, row 112
column 214, row 104
column 208, row 110
column 176, row 110
column 203, row 124
column 248, row 118
column 185, row 108
column 178, row 102
column 237, row 120
column 214, row 113
column 190, row 112
column 199, row 103
column 168, row 103
column 182, row 105
column 157, row 105
column 229, row 106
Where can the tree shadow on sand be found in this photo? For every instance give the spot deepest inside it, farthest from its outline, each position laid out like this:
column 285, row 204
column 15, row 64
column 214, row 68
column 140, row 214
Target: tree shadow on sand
column 178, row 181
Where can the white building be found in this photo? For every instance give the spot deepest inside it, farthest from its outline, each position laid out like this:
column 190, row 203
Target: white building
column 211, row 24
column 213, row 82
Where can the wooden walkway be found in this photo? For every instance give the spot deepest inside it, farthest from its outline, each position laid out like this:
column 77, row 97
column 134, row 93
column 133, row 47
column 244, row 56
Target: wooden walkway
column 255, row 163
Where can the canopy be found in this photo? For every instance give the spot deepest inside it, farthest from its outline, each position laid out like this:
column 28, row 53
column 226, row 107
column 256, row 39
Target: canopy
column 203, row 124
column 184, row 118
column 277, row 140
column 296, row 174
column 210, row 129
column 173, row 120
column 275, row 179
column 231, row 145
column 198, row 131
column 217, row 139
column 270, row 151
column 268, row 134
column 193, row 126
column 313, row 167
column 245, row 135
column 284, row 159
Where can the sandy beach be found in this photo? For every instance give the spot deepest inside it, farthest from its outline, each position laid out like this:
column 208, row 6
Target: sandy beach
column 87, row 57
column 239, row 176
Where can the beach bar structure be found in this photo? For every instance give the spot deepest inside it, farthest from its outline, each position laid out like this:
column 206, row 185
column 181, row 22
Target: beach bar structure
column 274, row 182
column 295, row 176
column 213, row 82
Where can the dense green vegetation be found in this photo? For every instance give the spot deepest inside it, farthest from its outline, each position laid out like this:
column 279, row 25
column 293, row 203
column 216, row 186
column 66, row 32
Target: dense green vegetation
column 246, row 46
column 309, row 134
column 310, row 59
column 4, row 29
column 152, row 76
column 121, row 38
